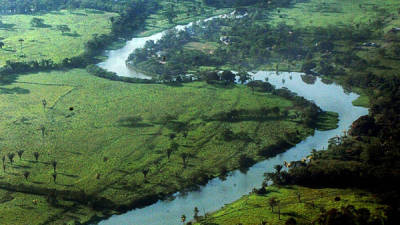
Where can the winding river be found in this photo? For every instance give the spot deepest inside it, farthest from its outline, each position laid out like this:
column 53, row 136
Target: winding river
column 216, row 193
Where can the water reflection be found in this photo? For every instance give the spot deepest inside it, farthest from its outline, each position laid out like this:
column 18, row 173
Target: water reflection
column 217, row 192
column 116, row 58
column 308, row 79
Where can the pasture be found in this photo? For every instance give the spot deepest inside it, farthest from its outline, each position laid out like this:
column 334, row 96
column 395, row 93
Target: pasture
column 47, row 40
column 185, row 12
column 253, row 208
column 111, row 139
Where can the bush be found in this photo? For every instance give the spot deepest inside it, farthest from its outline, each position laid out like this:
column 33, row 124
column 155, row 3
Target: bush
column 274, row 149
column 100, row 72
column 245, row 162
column 210, row 76
column 308, row 66
column 257, row 85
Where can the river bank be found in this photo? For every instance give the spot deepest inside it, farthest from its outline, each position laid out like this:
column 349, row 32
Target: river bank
column 238, row 182
column 138, row 124
column 135, row 96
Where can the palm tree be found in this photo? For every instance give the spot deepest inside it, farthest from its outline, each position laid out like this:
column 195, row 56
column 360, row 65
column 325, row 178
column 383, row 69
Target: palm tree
column 54, row 177
column 43, row 129
column 272, row 203
column 169, row 152
column 298, row 194
column 278, row 168
column 277, row 68
column 173, row 146
column 145, row 172
column 183, row 218
column 36, row 155
column 243, row 77
column 54, row 163
column 11, row 157
column 196, row 213
column 20, row 152
column 278, row 203
column 184, row 156
column 20, row 42
column 44, row 103
column 26, row 174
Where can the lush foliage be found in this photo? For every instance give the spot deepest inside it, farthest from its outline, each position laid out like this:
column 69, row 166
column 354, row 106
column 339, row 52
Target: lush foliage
column 35, row 6
column 29, row 41
column 164, row 129
column 367, row 155
column 290, row 205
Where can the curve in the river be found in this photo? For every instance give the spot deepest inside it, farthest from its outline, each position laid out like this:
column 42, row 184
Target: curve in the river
column 116, row 59
column 217, row 193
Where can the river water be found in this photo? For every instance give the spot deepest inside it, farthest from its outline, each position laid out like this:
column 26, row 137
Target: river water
column 216, row 193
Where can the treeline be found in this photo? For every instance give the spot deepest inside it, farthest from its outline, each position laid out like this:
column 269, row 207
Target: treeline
column 131, row 19
column 100, row 72
column 35, row 6
column 168, row 57
column 246, row 46
column 92, row 48
column 238, row 3
column 367, row 156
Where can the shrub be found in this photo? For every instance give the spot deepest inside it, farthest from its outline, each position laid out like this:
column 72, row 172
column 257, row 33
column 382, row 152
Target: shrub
column 100, row 72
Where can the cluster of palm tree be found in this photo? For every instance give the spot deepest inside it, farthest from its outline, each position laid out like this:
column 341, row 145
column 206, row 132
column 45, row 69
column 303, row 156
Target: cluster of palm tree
column 11, row 158
column 184, row 155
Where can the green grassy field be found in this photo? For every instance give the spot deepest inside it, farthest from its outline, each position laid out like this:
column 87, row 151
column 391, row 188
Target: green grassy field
column 317, row 14
column 131, row 126
column 116, row 130
column 47, row 42
column 186, row 12
column 253, row 209
column 19, row 208
column 314, row 14
column 205, row 47
column 323, row 13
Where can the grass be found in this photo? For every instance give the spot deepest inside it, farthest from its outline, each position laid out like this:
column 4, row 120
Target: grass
column 129, row 127
column 253, row 209
column 324, row 13
column 19, row 208
column 186, row 12
column 206, row 47
column 362, row 101
column 317, row 14
column 47, row 42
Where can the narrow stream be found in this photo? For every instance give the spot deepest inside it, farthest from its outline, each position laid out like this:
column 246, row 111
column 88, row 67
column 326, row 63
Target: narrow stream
column 217, row 193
